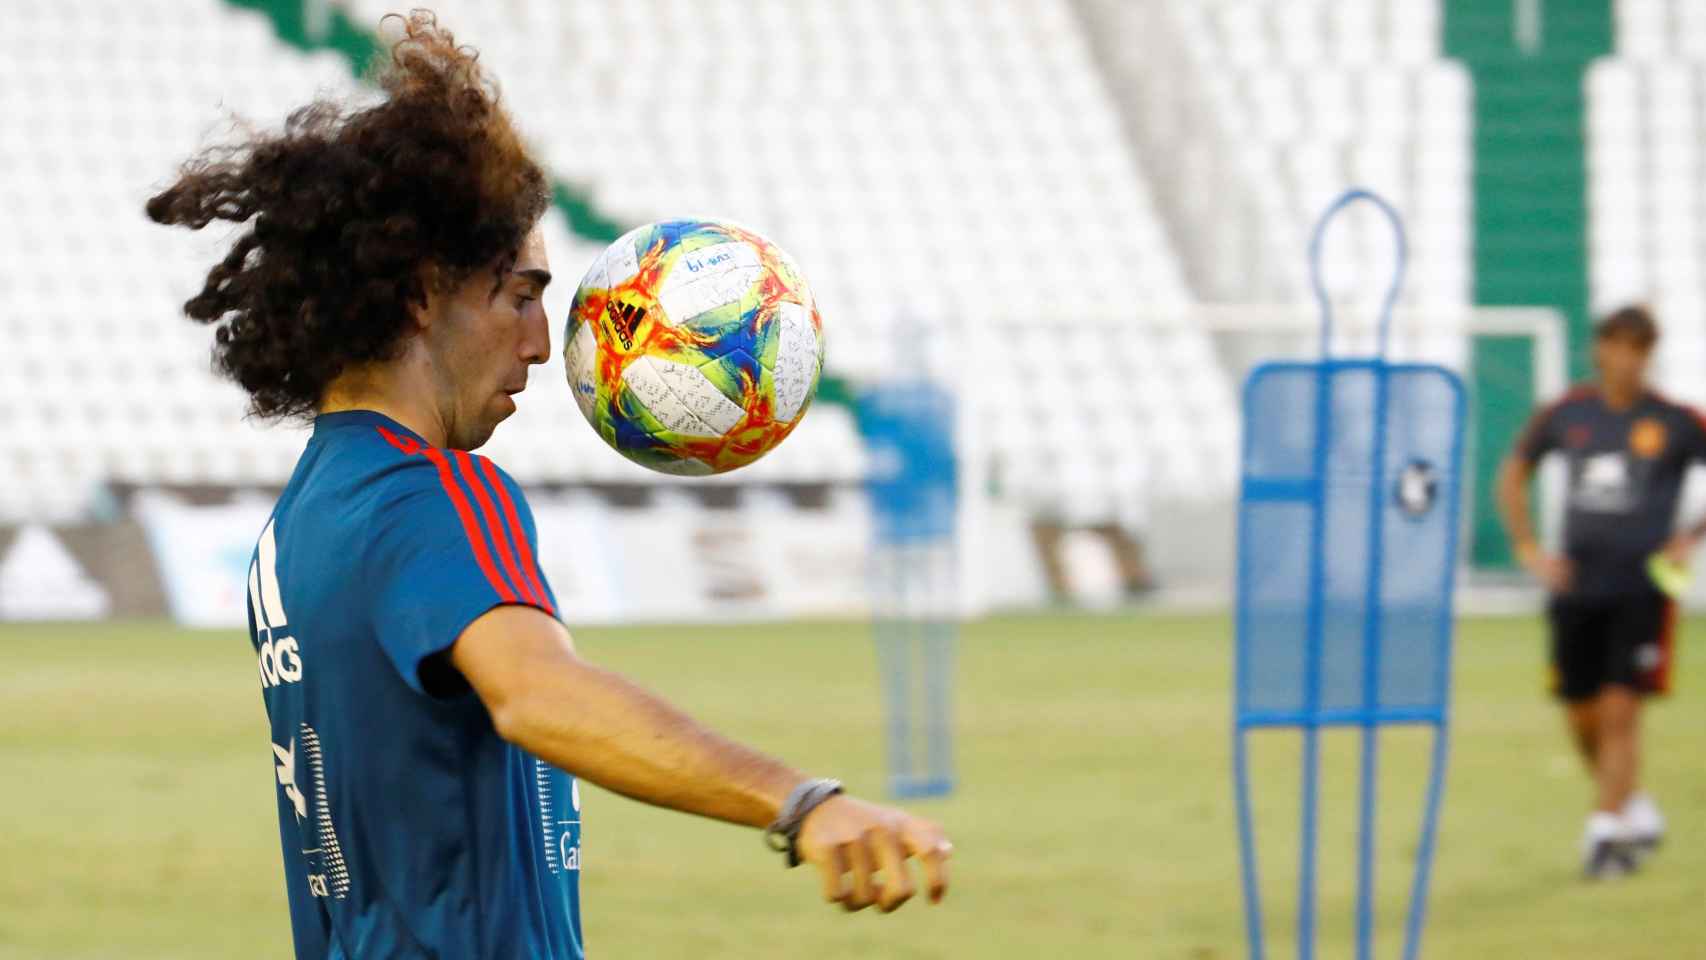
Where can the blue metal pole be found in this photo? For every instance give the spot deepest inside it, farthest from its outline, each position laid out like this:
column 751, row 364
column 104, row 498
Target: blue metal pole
column 1247, row 841
column 1425, row 852
column 939, row 664
column 1365, row 841
column 1312, row 661
column 895, row 644
column 1240, row 708
column 1371, row 593
column 1325, row 303
column 917, row 679
column 1306, row 871
column 1442, row 696
column 1371, row 650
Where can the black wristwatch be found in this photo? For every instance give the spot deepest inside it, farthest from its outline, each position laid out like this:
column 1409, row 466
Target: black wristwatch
column 783, row 834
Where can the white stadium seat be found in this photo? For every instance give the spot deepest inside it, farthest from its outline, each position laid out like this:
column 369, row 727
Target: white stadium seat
column 1314, row 86
column 1646, row 147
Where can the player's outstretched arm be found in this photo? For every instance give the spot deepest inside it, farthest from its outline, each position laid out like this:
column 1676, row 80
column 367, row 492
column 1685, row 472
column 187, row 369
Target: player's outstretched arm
column 600, row 726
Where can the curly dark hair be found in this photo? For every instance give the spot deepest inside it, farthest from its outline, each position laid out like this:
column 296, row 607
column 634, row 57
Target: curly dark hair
column 351, row 214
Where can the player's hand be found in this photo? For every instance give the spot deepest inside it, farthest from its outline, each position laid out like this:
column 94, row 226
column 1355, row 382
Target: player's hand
column 847, row 835
column 1553, row 571
column 1680, row 550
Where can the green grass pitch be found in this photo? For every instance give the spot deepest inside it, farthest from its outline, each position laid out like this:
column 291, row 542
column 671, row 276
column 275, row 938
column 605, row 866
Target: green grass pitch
column 1094, row 817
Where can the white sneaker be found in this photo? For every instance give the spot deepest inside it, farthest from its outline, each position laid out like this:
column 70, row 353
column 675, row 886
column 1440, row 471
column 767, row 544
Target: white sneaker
column 1644, row 823
column 1607, row 849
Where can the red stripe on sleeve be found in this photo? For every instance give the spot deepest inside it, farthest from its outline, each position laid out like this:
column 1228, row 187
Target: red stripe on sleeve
column 528, row 567
column 505, row 556
column 470, row 525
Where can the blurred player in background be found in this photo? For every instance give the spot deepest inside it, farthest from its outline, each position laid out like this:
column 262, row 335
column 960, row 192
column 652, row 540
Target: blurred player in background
column 1612, row 627
column 429, row 713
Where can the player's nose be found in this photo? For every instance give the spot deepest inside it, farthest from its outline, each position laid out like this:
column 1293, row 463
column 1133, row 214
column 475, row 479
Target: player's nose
column 535, row 334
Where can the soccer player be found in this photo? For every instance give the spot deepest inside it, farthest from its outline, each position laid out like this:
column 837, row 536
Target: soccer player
column 429, row 713
column 1612, row 628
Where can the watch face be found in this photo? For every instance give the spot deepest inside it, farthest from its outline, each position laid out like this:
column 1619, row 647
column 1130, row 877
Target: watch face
column 1417, row 489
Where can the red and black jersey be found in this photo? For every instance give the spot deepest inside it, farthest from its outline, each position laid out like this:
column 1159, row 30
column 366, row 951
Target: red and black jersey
column 1625, row 477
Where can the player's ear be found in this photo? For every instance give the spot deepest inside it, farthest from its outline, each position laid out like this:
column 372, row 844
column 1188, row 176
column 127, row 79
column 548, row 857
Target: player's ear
column 423, row 310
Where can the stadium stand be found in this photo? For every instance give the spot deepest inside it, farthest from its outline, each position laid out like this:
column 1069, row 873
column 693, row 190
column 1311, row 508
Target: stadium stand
column 1256, row 113
column 1646, row 143
column 103, row 379
column 934, row 191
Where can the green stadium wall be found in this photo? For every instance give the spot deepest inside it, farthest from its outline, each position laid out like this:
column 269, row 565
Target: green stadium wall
column 1528, row 59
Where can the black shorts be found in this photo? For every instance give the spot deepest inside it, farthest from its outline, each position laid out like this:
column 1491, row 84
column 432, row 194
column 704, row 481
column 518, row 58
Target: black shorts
column 1613, row 641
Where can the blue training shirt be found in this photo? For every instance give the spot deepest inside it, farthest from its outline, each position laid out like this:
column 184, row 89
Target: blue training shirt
column 409, row 827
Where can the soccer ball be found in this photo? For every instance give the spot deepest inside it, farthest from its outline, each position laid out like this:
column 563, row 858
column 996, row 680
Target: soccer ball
column 693, row 346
